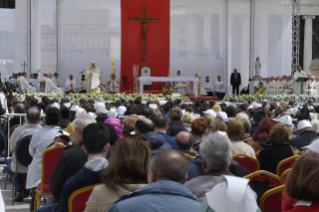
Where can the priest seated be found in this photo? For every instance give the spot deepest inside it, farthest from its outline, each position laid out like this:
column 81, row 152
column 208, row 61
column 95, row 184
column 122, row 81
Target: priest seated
column 50, row 87
column 25, row 86
column 114, row 88
column 180, row 87
column 70, row 85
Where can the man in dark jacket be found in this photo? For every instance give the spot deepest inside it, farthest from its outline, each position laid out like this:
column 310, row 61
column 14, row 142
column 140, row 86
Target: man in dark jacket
column 145, row 128
column 71, row 160
column 259, row 115
column 96, row 139
column 235, row 81
column 65, row 117
column 161, row 126
column 165, row 192
column 305, row 134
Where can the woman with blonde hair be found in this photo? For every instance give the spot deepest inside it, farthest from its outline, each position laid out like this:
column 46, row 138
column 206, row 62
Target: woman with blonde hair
column 126, row 173
column 188, row 118
column 218, row 125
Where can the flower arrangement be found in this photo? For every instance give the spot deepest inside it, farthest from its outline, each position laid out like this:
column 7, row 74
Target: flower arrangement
column 107, row 97
column 97, row 90
column 166, row 91
column 260, row 88
column 259, row 97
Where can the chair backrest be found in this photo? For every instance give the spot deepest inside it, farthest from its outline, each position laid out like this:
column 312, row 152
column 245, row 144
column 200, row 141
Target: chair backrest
column 286, row 164
column 271, row 200
column 248, row 162
column 12, row 129
column 50, row 158
column 22, row 151
column 79, row 197
column 268, row 175
column 258, row 155
column 125, row 79
column 189, row 157
column 284, row 175
column 2, row 142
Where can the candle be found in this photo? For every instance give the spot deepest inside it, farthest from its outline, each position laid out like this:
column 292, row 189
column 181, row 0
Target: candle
column 113, row 65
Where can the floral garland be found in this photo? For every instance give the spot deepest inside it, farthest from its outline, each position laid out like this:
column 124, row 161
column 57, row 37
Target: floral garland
column 260, row 97
column 107, row 97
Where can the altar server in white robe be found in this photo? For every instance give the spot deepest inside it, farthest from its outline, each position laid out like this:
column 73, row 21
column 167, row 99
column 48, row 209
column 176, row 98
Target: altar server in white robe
column 299, row 74
column 219, row 88
column 55, row 79
column 289, row 86
column 277, row 85
column 50, row 87
column 271, row 86
column 25, row 85
column 70, row 85
column 90, row 70
column 180, row 87
column 310, row 85
column 208, row 86
column 35, row 83
column 115, row 87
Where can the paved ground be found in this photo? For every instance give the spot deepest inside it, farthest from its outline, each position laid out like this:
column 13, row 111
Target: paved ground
column 18, row 206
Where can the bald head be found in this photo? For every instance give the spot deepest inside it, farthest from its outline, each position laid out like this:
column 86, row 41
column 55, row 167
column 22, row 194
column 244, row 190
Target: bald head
column 33, row 115
column 143, row 126
column 168, row 164
column 19, row 108
column 184, row 141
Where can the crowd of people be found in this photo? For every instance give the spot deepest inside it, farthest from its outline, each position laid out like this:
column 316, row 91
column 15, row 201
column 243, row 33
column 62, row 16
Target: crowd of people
column 170, row 157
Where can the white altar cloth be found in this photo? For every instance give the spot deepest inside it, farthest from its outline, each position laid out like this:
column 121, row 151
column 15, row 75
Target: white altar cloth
column 193, row 80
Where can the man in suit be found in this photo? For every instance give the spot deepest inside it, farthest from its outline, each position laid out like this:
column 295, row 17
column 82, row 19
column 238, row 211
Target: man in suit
column 235, row 81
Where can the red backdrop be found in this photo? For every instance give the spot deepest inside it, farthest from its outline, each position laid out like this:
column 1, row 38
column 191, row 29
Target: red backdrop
column 157, row 38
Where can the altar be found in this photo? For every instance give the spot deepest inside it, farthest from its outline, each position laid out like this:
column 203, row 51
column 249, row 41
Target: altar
column 192, row 80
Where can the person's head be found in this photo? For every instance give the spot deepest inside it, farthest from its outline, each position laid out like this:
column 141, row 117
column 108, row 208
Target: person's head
column 218, row 125
column 209, row 118
column 33, row 115
column 178, row 73
column 218, row 78
column 216, row 152
column 199, row 126
column 188, row 117
column 56, row 75
column 129, row 123
column 184, row 141
column 78, row 125
column 35, row 76
column 160, row 123
column 245, row 120
column 129, row 162
column 230, row 111
column 143, row 126
column 168, row 164
column 93, row 64
column 315, row 125
column 147, row 112
column 65, row 113
column 88, row 107
column 71, row 77
column 302, row 181
column 299, row 68
column 175, row 114
column 52, row 116
column 25, row 75
column 100, row 118
column 236, row 130
column 259, row 116
column 280, row 134
column 257, row 59
column 235, row 70
column 19, row 108
column 13, row 74
column 217, row 108
column 96, row 138
column 207, row 78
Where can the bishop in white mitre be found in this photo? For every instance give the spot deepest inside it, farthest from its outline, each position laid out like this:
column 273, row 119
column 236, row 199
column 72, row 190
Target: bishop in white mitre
column 50, row 87
column 70, row 85
column 25, row 85
column 90, row 70
column 300, row 74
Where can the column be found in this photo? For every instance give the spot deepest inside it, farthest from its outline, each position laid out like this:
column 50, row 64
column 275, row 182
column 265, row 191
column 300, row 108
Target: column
column 244, row 70
column 36, row 37
column 307, row 51
column 191, row 40
column 207, row 30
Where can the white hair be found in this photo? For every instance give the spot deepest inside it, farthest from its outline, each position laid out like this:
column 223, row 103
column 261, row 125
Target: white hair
column 188, row 117
column 216, row 150
column 101, row 111
column 315, row 125
column 81, row 122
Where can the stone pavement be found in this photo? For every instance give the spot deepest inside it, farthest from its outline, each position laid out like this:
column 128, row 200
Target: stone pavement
column 18, row 206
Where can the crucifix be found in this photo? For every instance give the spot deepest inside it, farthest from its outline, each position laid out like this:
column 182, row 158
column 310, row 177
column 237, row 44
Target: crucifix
column 144, row 21
column 24, row 65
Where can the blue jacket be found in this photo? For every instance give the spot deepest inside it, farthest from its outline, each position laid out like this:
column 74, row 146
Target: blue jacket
column 156, row 141
column 169, row 139
column 158, row 197
column 84, row 177
column 254, row 128
column 303, row 139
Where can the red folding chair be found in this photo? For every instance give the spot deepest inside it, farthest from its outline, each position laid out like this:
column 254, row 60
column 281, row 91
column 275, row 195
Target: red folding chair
column 271, row 200
column 189, row 157
column 248, row 162
column 78, row 199
column 284, row 175
column 286, row 164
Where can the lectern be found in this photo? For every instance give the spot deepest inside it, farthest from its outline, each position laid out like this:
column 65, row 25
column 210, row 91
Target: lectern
column 95, row 81
column 302, row 80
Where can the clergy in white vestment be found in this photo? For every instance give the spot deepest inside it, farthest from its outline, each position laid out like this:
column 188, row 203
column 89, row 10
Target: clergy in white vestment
column 70, row 85
column 219, row 88
column 114, row 86
column 208, row 86
column 310, row 84
column 55, row 79
column 50, row 87
column 35, row 83
column 13, row 79
column 300, row 74
column 90, row 70
column 180, row 87
column 25, row 85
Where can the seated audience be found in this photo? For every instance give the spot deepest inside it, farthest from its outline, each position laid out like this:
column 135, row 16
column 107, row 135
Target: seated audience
column 236, row 133
column 218, row 125
column 117, row 126
column 95, row 144
column 216, row 155
column 279, row 150
column 305, row 134
column 261, row 136
column 245, row 120
column 145, row 128
column 257, row 118
column 167, row 174
column 129, row 124
column 65, row 117
column 199, row 127
column 174, row 122
column 72, row 159
column 126, row 173
column 315, row 125
column 302, row 184
column 161, row 126
column 185, row 143
column 28, row 128
column 188, row 118
column 40, row 141
column 18, row 108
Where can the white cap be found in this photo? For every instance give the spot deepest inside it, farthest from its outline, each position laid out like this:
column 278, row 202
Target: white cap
column 56, row 105
column 92, row 115
column 74, row 108
column 121, row 110
column 61, row 132
column 302, row 124
column 211, row 112
column 232, row 194
column 313, row 116
column 223, row 115
column 285, row 120
column 153, row 106
column 67, row 104
column 314, row 146
column 92, row 62
column 112, row 113
column 80, row 111
column 100, row 105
